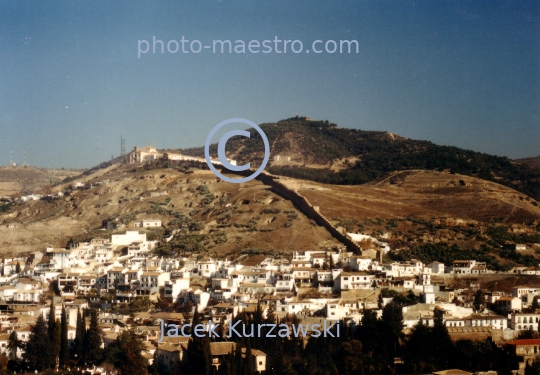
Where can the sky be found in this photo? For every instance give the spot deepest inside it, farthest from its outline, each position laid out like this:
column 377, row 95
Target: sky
column 73, row 80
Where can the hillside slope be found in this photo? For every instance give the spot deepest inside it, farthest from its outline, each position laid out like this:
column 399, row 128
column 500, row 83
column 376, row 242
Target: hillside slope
column 20, row 179
column 320, row 151
column 213, row 216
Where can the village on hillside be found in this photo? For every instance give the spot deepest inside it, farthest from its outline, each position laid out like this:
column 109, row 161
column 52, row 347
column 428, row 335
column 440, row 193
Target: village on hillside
column 133, row 289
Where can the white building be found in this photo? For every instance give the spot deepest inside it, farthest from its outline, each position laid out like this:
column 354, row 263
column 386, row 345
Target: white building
column 128, row 238
column 141, row 155
column 524, row 321
column 359, row 263
column 173, row 289
column 147, row 223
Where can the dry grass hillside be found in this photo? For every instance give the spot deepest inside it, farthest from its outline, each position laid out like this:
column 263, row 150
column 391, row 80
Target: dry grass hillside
column 423, row 194
column 217, row 216
column 20, row 179
column 222, row 218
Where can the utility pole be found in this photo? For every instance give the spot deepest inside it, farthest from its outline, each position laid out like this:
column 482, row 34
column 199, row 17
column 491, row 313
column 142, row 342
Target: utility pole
column 122, row 150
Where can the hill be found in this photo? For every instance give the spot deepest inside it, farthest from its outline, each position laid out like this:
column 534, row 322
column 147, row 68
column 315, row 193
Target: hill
column 321, row 151
column 406, row 209
column 26, row 179
column 212, row 216
column 533, row 162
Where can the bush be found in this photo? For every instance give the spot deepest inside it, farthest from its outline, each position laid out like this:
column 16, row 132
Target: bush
column 203, row 190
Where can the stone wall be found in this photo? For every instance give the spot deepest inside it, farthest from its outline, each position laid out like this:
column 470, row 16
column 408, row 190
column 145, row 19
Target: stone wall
column 303, row 205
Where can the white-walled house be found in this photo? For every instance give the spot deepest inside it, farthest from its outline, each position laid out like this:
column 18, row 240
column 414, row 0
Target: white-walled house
column 7, row 292
column 28, row 291
column 147, row 223
column 359, row 263
column 411, row 268
column 285, row 282
column 524, row 321
column 151, row 281
column 508, row 304
column 350, row 280
column 437, row 268
column 208, row 268
column 128, row 238
column 486, row 320
column 173, row 289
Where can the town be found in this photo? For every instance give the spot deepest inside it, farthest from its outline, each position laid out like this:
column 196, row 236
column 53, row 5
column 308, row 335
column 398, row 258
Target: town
column 130, row 288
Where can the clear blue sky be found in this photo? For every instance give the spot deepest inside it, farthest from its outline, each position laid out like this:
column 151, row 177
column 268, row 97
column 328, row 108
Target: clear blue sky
column 463, row 73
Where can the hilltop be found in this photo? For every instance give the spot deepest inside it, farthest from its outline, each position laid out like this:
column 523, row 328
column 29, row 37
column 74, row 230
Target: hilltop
column 323, row 152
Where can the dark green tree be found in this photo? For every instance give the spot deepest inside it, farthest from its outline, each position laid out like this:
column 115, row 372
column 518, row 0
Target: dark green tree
column 157, row 367
column 533, row 369
column 442, row 343
column 198, row 359
column 419, row 350
column 225, row 366
column 478, row 304
column 392, row 326
column 38, row 353
column 238, row 360
column 13, row 344
column 93, row 353
column 51, row 320
column 535, row 305
column 79, row 336
column 18, row 267
column 126, row 354
column 63, row 355
column 249, row 363
column 55, row 339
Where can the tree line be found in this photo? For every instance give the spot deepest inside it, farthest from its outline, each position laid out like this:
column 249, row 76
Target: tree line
column 47, row 347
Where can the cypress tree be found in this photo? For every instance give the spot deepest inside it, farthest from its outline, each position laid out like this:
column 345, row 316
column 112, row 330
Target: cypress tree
column 18, row 267
column 38, row 348
column 225, row 367
column 51, row 321
column 238, row 362
column 64, row 345
column 419, row 349
column 92, row 345
column 443, row 346
column 249, row 364
column 13, row 344
column 258, row 320
column 55, row 342
column 198, row 356
column 79, row 336
column 232, row 363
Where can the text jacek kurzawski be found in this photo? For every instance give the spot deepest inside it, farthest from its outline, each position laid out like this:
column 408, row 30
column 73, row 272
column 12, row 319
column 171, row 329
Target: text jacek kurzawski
column 239, row 329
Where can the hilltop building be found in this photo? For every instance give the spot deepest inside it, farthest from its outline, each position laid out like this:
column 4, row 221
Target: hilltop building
column 141, row 155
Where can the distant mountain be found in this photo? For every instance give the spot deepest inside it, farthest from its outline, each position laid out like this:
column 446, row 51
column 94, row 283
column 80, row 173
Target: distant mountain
column 321, row 151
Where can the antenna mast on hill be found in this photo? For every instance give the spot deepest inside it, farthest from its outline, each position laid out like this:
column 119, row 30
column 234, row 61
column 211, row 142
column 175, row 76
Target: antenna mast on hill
column 122, row 149
column 11, row 158
column 24, row 158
